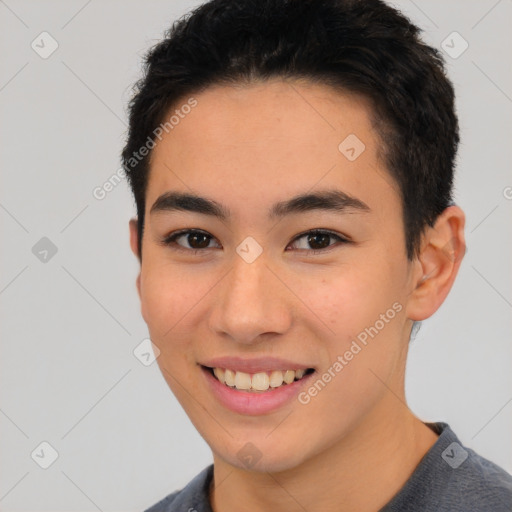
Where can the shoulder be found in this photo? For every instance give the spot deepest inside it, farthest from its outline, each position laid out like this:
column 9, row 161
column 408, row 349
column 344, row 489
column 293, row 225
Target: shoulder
column 164, row 505
column 481, row 484
column 454, row 478
column 192, row 498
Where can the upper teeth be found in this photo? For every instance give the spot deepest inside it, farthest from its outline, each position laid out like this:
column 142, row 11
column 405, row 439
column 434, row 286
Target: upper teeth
column 258, row 381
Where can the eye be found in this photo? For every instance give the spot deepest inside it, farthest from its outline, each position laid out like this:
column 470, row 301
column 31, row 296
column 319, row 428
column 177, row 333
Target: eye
column 319, row 240
column 197, row 240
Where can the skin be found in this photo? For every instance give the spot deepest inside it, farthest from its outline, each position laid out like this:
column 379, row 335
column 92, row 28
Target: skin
column 354, row 445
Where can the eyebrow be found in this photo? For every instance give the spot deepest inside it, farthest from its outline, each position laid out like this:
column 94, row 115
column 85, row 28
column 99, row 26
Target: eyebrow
column 328, row 200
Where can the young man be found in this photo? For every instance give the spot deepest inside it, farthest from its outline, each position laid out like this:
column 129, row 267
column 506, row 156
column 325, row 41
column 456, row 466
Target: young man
column 292, row 166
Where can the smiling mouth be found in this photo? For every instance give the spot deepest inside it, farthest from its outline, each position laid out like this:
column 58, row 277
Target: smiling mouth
column 257, row 382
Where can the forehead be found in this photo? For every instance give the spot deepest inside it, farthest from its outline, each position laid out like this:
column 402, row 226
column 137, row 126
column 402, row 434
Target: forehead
column 250, row 142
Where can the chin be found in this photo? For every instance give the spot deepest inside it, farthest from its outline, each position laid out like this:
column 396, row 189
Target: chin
column 267, row 456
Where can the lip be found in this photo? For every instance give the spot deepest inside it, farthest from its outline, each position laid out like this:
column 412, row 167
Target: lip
column 254, row 365
column 253, row 403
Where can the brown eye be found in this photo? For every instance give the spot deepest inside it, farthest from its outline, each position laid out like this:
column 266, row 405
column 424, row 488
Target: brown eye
column 318, row 241
column 197, row 240
column 194, row 240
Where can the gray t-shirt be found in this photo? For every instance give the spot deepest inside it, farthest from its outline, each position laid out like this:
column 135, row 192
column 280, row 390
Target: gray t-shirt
column 449, row 478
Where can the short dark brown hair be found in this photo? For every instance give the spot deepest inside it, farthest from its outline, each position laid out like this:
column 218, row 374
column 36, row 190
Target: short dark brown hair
column 364, row 47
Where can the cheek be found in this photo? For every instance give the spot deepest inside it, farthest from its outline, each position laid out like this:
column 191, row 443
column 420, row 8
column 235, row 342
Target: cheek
column 365, row 316
column 168, row 300
column 348, row 299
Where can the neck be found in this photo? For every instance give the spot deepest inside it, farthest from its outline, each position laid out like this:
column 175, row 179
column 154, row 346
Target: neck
column 362, row 471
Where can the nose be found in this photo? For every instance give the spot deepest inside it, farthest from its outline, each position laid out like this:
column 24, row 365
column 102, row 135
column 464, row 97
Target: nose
column 251, row 301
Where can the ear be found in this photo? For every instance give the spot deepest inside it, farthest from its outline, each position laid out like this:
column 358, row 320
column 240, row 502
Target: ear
column 134, row 244
column 442, row 249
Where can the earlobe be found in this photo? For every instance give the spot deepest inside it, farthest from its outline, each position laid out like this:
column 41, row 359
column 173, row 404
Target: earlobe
column 442, row 250
column 137, row 283
column 134, row 239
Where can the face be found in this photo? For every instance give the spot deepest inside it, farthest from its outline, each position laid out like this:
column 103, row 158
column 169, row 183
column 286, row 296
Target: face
column 262, row 285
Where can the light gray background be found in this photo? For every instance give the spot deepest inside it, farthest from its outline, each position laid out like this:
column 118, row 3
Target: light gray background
column 69, row 326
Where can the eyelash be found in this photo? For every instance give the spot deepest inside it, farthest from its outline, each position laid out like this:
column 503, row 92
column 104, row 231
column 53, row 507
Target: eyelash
column 170, row 240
